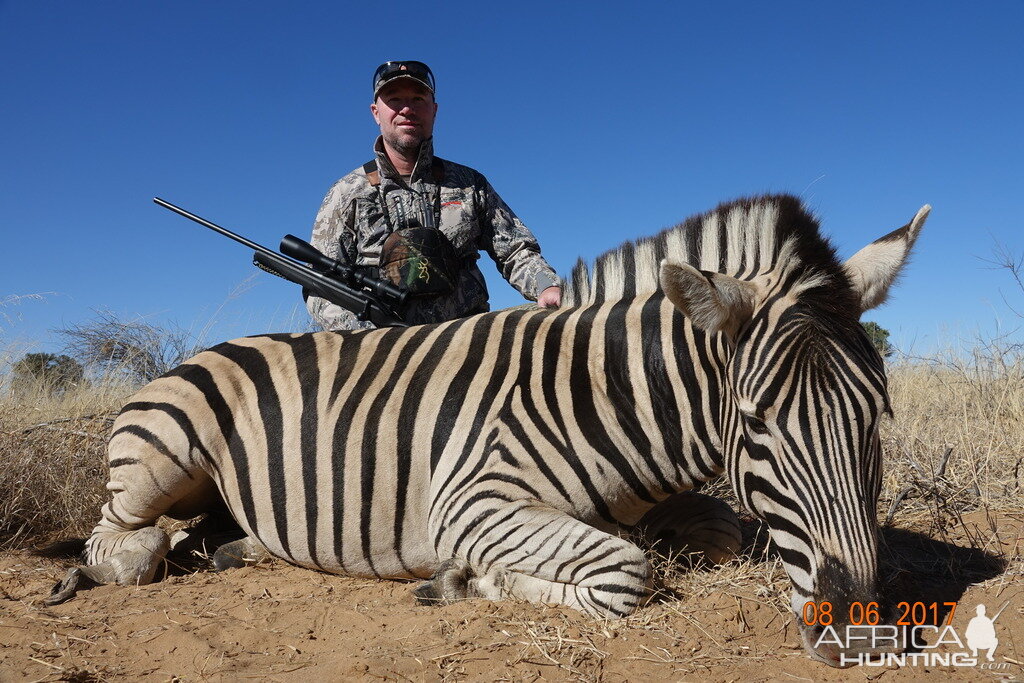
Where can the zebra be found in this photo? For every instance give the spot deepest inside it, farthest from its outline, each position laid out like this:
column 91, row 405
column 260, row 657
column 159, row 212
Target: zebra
column 502, row 455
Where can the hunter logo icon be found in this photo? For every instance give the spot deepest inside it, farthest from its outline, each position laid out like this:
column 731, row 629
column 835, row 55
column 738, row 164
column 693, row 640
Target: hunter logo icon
column 981, row 633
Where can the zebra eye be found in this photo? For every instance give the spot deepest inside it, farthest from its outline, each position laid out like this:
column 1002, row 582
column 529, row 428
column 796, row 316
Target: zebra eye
column 756, row 426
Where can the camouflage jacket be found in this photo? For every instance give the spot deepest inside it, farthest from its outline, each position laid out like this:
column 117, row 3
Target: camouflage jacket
column 352, row 225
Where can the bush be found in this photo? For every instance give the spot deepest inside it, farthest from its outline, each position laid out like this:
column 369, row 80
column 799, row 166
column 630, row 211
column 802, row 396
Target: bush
column 138, row 348
column 46, row 372
column 879, row 336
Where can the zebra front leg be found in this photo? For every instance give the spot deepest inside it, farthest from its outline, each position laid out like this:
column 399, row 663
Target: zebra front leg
column 450, row 583
column 528, row 551
column 691, row 522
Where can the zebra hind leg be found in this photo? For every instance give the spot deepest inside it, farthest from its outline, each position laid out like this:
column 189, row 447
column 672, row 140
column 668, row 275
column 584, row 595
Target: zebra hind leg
column 147, row 480
column 139, row 554
column 692, row 523
column 243, row 552
column 218, row 541
column 133, row 560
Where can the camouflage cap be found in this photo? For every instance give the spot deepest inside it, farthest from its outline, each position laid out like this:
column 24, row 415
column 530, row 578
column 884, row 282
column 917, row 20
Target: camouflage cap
column 390, row 71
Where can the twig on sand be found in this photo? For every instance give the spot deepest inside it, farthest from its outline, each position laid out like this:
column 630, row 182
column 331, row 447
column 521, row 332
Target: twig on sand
column 928, row 483
column 52, row 666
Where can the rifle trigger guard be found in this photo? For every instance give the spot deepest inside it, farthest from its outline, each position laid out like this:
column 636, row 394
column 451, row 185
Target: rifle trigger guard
column 365, row 313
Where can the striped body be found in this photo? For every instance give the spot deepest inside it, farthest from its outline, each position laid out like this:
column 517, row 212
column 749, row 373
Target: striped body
column 354, row 452
column 504, row 453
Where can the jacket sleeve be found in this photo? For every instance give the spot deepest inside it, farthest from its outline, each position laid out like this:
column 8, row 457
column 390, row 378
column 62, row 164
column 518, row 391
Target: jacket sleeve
column 512, row 246
column 334, row 235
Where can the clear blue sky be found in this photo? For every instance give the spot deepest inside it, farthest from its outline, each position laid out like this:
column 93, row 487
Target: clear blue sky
column 596, row 122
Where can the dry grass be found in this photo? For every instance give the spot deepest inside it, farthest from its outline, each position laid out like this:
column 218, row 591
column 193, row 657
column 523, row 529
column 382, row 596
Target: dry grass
column 54, row 462
column 956, row 442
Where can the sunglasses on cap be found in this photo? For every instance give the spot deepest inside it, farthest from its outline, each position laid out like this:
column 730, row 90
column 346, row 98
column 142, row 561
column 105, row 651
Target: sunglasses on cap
column 389, row 71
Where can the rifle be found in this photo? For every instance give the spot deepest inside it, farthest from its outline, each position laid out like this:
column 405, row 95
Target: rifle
column 369, row 298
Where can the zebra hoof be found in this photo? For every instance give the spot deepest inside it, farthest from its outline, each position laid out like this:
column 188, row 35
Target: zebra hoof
column 237, row 554
column 449, row 583
column 427, row 594
column 65, row 589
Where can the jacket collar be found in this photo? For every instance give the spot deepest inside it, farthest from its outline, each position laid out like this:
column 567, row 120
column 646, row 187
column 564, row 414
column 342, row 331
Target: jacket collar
column 422, row 169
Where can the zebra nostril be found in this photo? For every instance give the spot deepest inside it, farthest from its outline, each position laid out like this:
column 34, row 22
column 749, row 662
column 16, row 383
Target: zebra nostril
column 834, row 578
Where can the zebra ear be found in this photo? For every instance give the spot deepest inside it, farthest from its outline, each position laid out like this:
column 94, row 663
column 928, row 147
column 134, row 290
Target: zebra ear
column 712, row 301
column 873, row 269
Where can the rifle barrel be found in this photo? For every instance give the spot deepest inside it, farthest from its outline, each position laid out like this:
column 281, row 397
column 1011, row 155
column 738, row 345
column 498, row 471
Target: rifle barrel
column 330, row 279
column 213, row 226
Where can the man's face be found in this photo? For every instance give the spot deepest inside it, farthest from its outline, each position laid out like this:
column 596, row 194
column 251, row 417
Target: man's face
column 405, row 111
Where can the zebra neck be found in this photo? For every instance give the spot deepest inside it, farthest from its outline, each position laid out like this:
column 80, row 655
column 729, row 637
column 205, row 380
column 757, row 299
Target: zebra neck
column 656, row 383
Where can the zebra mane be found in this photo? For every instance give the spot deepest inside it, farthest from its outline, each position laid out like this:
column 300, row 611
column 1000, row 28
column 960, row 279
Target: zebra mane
column 743, row 238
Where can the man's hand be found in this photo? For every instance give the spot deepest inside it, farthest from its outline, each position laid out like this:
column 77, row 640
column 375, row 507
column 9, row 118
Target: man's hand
column 550, row 298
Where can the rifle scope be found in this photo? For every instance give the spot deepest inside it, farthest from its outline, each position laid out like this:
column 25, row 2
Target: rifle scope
column 302, row 250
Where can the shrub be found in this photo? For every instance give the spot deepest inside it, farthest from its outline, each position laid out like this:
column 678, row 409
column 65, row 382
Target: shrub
column 46, row 372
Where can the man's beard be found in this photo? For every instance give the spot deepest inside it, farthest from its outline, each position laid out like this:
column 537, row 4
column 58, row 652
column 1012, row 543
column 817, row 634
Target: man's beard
column 404, row 144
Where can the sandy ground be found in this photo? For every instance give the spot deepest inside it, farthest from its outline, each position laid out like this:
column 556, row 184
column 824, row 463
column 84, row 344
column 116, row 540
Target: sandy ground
column 278, row 622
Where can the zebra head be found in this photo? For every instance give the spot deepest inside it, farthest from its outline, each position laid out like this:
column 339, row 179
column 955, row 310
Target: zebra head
column 804, row 393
